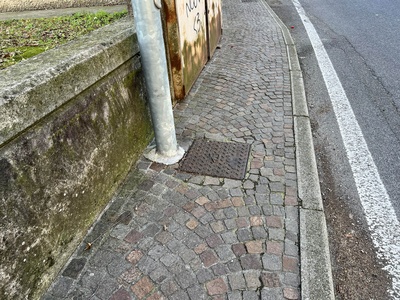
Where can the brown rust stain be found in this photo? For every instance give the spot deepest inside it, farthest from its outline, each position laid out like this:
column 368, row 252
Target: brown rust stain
column 173, row 48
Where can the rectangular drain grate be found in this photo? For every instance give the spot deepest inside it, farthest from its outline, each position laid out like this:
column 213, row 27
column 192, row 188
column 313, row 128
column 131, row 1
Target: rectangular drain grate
column 218, row 159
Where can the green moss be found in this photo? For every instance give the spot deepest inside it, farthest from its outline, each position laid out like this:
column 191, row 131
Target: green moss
column 106, row 149
column 24, row 38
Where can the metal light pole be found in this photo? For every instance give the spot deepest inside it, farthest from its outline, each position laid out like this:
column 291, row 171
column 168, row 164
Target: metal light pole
column 147, row 18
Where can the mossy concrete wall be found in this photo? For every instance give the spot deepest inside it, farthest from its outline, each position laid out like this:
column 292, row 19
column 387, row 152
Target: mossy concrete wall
column 73, row 120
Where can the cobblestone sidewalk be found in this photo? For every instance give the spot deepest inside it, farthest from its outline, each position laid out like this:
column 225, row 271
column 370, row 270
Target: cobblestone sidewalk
column 172, row 235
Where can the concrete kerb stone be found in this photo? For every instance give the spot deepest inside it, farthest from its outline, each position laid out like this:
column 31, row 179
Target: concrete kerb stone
column 316, row 270
column 316, row 274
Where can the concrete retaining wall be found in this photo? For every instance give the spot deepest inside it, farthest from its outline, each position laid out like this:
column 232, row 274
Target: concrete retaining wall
column 18, row 5
column 73, row 120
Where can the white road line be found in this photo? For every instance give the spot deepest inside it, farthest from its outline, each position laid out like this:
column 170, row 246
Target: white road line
column 379, row 212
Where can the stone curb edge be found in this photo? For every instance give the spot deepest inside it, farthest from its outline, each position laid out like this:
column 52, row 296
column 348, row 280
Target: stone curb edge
column 315, row 265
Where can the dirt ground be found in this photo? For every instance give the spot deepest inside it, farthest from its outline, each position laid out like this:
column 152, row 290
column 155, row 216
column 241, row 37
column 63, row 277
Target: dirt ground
column 18, row 5
column 357, row 272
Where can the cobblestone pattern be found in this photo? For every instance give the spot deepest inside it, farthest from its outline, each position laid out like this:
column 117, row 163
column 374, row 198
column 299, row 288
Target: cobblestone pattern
column 183, row 236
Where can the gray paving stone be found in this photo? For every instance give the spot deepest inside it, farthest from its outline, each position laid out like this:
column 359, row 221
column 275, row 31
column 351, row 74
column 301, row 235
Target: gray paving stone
column 250, row 295
column 169, row 287
column 186, row 278
column 229, row 237
column 196, row 292
column 204, row 275
column 235, row 295
column 236, row 281
column 106, row 289
column 75, row 267
column 272, row 262
column 252, row 278
column 271, row 294
column 244, row 234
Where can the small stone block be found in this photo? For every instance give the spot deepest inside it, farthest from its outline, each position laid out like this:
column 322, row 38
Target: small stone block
column 238, row 249
column 255, row 247
column 192, row 224
column 133, row 237
column 202, row 200
column 216, row 287
column 290, row 264
column 134, row 256
column 270, row 280
column 274, row 247
column 274, row 221
column 237, row 201
column 121, row 294
column 200, row 248
column 256, row 221
column 292, row 294
column 131, row 275
column 208, row 258
column 143, row 287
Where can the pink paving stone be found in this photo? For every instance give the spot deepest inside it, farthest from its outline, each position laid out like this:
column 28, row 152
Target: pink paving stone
column 279, row 171
column 182, row 189
column 131, row 275
column 237, row 201
column 200, row 248
column 256, row 164
column 189, row 206
column 134, row 256
column 224, row 203
column 242, row 222
column 170, row 211
column 192, row 224
column 274, row 247
column 290, row 263
column 291, row 201
column 290, row 293
column 274, row 221
column 255, row 247
column 133, row 237
column 198, row 212
column 256, row 221
column 216, row 287
column 238, row 249
column 208, row 258
column 142, row 287
column 121, row 294
column 214, row 240
column 291, row 191
column 202, row 200
column 210, row 206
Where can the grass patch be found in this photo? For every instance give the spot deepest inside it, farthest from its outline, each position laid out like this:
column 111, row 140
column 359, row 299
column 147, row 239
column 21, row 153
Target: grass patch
column 21, row 39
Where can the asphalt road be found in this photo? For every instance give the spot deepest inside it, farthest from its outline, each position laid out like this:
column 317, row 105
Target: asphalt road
column 362, row 40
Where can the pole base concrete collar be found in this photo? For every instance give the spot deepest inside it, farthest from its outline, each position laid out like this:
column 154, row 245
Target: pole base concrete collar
column 153, row 155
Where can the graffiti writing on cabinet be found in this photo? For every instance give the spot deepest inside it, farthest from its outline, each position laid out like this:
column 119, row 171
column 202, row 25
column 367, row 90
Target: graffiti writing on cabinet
column 190, row 6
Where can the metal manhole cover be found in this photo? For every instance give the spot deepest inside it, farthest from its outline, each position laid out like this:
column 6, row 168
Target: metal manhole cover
column 218, row 159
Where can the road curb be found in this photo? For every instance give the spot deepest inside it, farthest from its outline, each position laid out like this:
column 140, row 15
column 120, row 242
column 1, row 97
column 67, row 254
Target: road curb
column 316, row 270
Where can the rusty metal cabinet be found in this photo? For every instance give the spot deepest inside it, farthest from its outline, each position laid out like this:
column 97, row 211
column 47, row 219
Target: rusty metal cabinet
column 192, row 32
